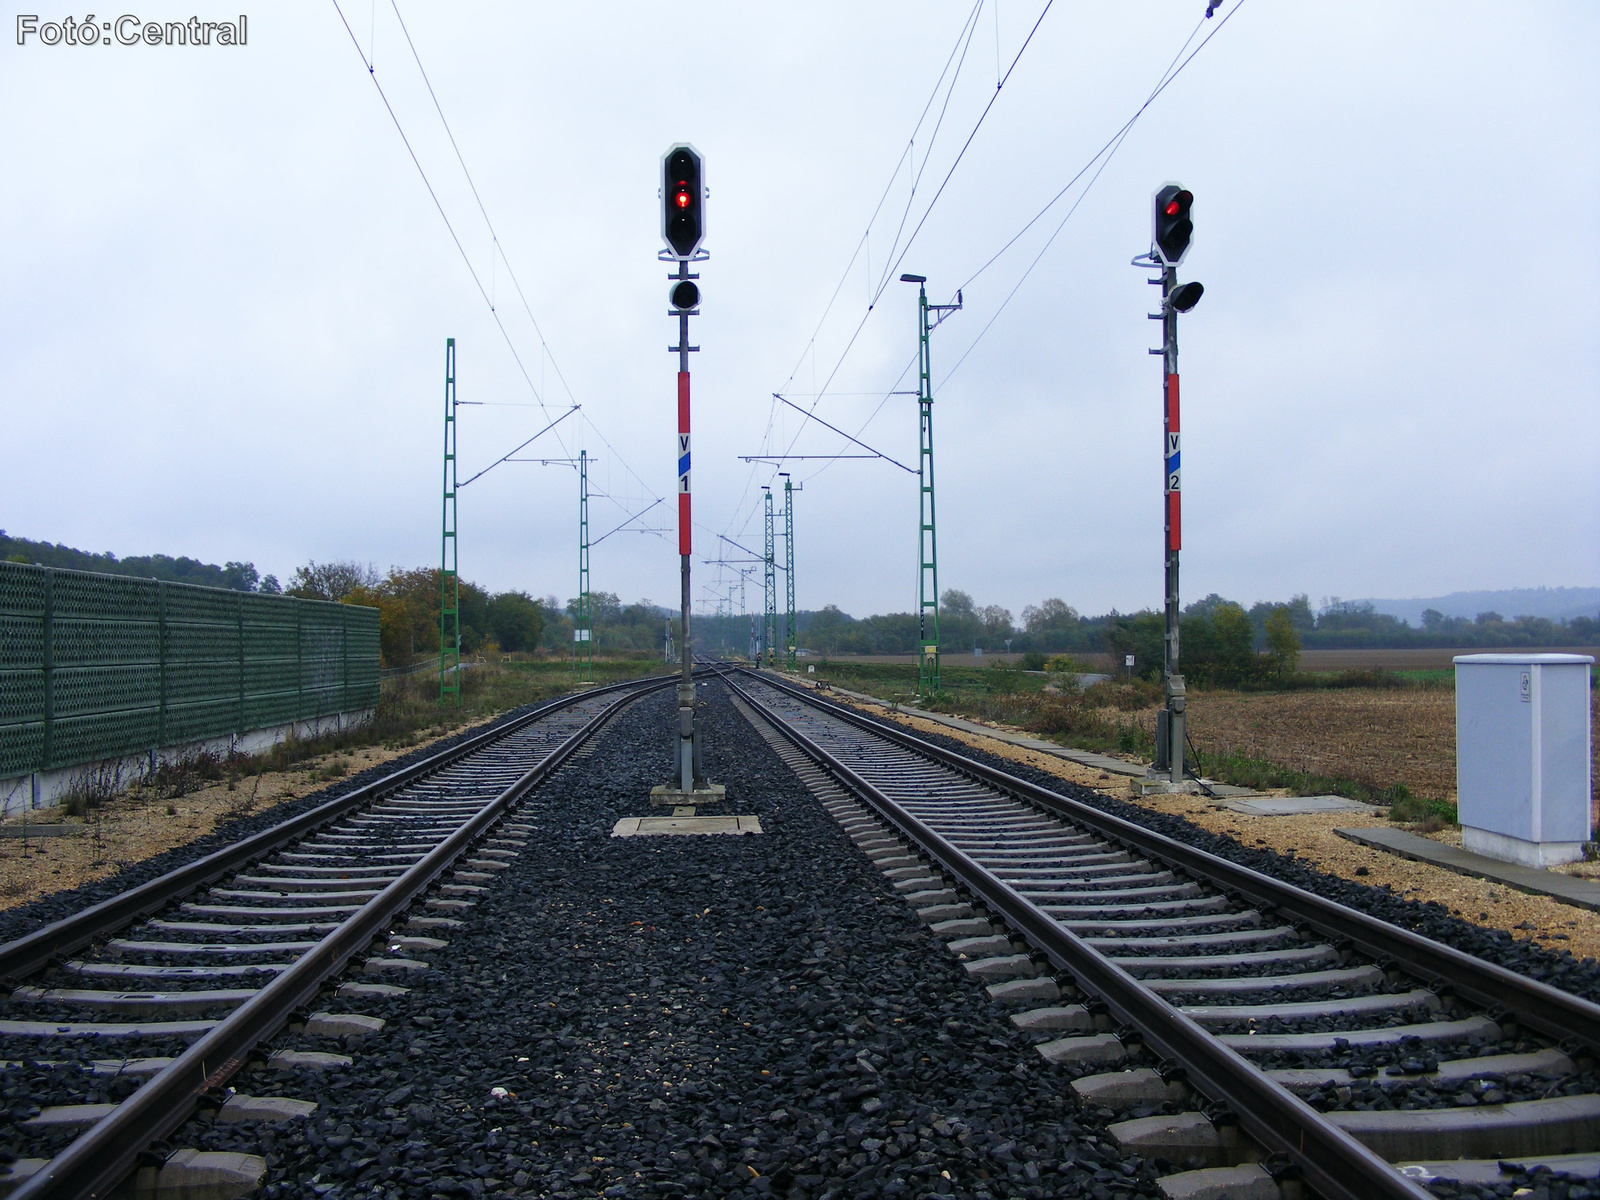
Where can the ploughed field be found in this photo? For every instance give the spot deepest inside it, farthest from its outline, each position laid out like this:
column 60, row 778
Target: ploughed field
column 1381, row 735
column 1376, row 735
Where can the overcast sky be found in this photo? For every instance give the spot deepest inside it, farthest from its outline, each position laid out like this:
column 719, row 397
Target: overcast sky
column 226, row 291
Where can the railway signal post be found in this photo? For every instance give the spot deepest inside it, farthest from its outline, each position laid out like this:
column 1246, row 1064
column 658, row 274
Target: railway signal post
column 683, row 228
column 1171, row 232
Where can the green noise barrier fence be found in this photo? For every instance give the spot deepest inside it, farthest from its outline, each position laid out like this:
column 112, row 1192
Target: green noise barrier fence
column 96, row 667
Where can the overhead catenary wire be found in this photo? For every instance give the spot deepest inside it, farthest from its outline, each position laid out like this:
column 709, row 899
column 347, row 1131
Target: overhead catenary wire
column 548, row 355
column 898, row 258
column 846, row 436
column 498, row 251
column 1095, row 164
column 434, row 196
column 507, row 456
column 1103, row 156
column 926, row 213
column 956, row 57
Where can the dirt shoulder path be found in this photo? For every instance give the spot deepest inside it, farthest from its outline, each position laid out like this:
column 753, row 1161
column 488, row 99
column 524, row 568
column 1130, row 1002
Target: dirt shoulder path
column 136, row 825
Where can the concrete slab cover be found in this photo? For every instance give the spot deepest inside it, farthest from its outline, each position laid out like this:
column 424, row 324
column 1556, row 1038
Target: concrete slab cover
column 1583, row 893
column 1025, row 991
column 684, row 826
column 1078, row 1051
column 1519, row 1130
column 325, row 1024
column 70, row 1116
column 270, row 1110
column 202, row 1175
column 1246, row 1182
column 1287, row 806
column 308, row 1060
column 1176, row 1137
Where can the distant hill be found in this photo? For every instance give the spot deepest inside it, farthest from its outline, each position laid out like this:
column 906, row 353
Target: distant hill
column 1554, row 604
column 239, row 576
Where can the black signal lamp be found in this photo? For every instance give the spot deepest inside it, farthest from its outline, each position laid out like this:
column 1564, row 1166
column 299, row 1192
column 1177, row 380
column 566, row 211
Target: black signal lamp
column 685, row 295
column 1186, row 295
column 1173, row 228
column 683, row 214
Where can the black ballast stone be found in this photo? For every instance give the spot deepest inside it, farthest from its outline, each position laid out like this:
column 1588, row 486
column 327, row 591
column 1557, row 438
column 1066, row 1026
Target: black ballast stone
column 773, row 947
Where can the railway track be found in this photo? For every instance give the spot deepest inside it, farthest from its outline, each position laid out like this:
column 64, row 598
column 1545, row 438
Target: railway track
column 180, row 978
column 1210, row 998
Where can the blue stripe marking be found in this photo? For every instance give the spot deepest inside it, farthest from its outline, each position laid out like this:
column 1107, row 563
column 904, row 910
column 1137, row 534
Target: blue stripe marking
column 1172, row 463
column 683, row 465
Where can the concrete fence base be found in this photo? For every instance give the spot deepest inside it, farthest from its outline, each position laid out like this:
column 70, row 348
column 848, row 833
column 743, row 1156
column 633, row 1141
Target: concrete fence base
column 47, row 789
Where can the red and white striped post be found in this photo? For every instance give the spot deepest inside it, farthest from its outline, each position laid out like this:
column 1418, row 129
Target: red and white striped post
column 688, row 766
column 1173, row 676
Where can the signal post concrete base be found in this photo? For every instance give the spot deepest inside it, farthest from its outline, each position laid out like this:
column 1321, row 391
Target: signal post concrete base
column 665, row 795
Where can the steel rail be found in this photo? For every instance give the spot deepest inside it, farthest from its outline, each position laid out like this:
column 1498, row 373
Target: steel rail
column 1332, row 1162
column 93, row 1165
column 28, row 954
column 1549, row 1010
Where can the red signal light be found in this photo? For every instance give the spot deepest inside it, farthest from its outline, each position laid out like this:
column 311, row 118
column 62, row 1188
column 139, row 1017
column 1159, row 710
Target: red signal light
column 682, row 199
column 1172, row 208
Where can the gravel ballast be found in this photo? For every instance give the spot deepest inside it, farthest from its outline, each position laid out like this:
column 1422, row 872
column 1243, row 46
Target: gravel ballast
column 25, row 918
column 689, row 1016
column 1558, row 968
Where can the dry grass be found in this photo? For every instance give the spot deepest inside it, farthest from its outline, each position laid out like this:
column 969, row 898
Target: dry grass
column 1376, row 735
column 141, row 822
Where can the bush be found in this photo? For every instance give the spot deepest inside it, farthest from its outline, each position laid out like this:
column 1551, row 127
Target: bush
column 1427, row 816
column 1124, row 697
column 1066, row 663
column 184, row 773
column 92, row 787
column 1003, row 679
column 1033, row 660
column 1283, row 643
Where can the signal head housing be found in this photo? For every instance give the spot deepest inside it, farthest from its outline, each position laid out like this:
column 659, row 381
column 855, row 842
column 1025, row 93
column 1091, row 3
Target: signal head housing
column 685, row 294
column 1186, row 295
column 1172, row 230
column 683, row 199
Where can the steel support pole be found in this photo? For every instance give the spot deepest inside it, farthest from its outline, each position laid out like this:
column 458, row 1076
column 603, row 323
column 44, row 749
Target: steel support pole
column 1172, row 521
column 791, row 620
column 927, row 531
column 449, row 561
column 583, row 632
column 769, row 634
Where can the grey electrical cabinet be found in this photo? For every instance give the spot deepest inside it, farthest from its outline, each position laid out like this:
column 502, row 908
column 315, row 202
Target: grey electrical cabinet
column 1523, row 756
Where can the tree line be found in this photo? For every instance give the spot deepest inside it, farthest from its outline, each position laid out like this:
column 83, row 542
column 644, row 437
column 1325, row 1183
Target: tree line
column 1221, row 640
